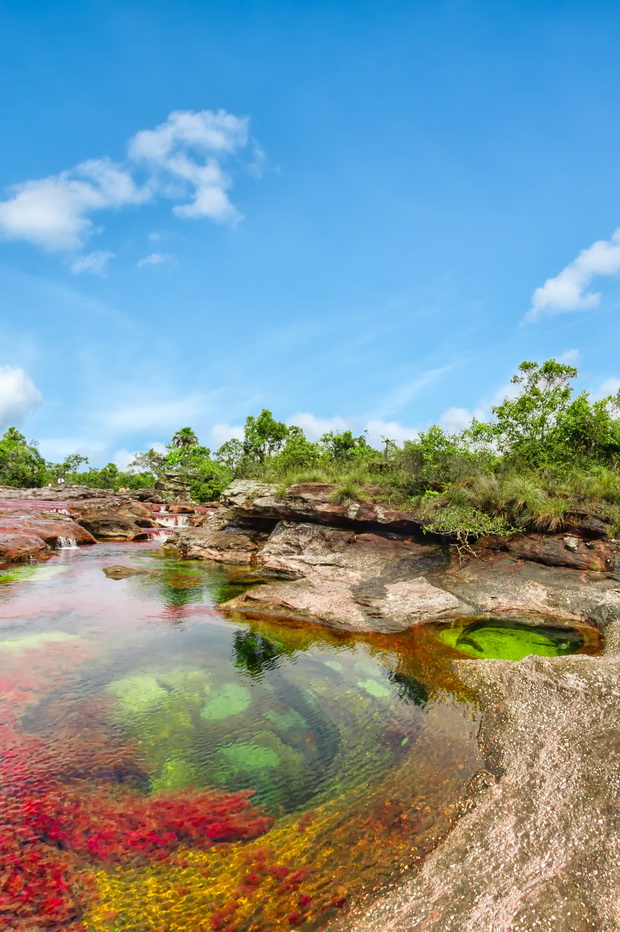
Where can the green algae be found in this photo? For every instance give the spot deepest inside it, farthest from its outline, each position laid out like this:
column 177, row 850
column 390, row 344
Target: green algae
column 34, row 573
column 245, row 756
column 374, row 688
column 367, row 668
column 34, row 641
column 510, row 640
column 231, row 699
column 137, row 693
column 283, row 720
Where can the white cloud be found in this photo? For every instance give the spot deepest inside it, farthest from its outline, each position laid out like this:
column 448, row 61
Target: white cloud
column 189, row 148
column 157, row 258
column 94, row 262
column 455, row 420
column 220, row 433
column 608, row 387
column 570, row 357
column 314, row 427
column 569, row 291
column 122, row 459
column 183, row 158
column 18, row 395
column 163, row 415
column 407, row 391
column 53, row 212
column 390, row 430
column 57, row 449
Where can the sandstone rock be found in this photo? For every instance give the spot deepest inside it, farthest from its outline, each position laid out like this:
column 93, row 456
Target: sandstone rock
column 554, row 551
column 113, row 518
column 122, row 572
column 18, row 547
column 539, row 848
column 207, row 543
column 328, row 602
column 589, row 526
column 50, row 530
column 311, row 502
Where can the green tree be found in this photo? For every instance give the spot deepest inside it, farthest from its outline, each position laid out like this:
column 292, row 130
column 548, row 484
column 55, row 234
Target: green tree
column 298, row 452
column 263, row 437
column 185, row 437
column 342, row 445
column 231, row 454
column 524, row 428
column 21, row 464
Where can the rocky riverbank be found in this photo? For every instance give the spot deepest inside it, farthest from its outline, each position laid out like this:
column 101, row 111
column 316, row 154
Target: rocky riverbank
column 536, row 846
column 35, row 522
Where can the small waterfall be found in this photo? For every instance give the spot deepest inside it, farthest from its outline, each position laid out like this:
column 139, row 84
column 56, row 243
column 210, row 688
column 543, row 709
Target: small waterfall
column 66, row 543
column 171, row 521
column 159, row 533
column 60, row 511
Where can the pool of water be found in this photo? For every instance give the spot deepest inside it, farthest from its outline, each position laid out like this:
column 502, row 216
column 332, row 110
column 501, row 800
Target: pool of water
column 165, row 769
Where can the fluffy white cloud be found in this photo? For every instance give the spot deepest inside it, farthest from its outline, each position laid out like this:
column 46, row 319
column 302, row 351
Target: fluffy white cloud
column 183, row 158
column 314, row 427
column 189, row 148
column 608, row 387
column 379, row 431
column 569, row 291
column 18, row 395
column 94, row 262
column 157, row 258
column 53, row 212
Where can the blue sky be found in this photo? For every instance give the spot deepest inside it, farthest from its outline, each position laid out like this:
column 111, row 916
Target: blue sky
column 354, row 214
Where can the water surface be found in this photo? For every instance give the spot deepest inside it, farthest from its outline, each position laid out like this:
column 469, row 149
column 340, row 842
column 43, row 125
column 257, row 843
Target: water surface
column 166, row 769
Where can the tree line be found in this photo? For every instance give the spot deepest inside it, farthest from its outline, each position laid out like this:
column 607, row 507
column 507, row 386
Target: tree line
column 542, row 451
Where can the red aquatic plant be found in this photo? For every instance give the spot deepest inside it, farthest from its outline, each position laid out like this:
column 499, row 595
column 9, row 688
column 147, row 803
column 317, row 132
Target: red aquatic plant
column 50, row 831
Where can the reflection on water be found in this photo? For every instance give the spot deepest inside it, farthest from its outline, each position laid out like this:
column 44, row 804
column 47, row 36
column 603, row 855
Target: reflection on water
column 167, row 769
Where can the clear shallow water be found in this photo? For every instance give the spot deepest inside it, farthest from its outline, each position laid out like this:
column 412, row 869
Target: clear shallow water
column 135, row 719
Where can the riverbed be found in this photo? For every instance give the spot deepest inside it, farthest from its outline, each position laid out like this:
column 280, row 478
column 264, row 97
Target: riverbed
column 166, row 769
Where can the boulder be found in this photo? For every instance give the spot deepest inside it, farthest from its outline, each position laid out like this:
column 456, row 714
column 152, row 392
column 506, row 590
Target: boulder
column 561, row 551
column 17, row 547
column 113, row 518
column 50, row 530
column 122, row 572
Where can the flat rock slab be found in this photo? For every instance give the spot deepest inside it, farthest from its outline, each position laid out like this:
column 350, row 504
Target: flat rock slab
column 539, row 850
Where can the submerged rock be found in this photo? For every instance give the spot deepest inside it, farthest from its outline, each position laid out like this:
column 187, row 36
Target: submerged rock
column 122, row 572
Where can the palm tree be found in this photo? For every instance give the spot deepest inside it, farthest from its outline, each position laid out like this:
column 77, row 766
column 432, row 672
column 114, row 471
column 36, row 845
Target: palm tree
column 185, row 437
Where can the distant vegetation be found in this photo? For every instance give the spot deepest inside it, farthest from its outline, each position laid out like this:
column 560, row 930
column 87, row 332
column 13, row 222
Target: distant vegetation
column 545, row 452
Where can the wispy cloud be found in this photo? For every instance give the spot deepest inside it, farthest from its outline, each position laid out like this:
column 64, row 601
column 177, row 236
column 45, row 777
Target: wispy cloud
column 409, row 389
column 18, row 395
column 94, row 262
column 570, row 289
column 182, row 160
column 157, row 258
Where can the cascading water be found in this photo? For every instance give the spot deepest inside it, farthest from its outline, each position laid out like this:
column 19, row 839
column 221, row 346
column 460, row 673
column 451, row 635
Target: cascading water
column 67, row 543
column 172, row 521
